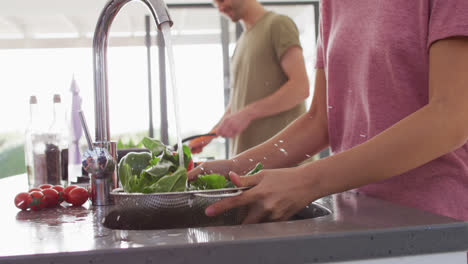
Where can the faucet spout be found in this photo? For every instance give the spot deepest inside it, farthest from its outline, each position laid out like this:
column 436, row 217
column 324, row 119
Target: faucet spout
column 100, row 181
column 160, row 14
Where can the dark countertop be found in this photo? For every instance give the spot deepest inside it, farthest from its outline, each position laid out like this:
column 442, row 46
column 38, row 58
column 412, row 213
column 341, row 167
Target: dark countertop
column 359, row 227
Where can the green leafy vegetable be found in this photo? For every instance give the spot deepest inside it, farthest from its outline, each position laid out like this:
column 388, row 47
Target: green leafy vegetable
column 170, row 183
column 159, row 171
column 208, row 182
column 257, row 168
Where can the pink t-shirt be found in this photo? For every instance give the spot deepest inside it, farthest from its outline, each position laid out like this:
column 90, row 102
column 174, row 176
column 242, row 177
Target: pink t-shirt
column 375, row 55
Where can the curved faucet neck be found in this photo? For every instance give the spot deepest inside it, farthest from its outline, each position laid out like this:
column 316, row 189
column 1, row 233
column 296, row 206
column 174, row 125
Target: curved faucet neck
column 160, row 14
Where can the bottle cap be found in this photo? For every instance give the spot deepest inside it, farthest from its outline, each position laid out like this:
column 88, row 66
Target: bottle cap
column 57, row 98
column 32, row 99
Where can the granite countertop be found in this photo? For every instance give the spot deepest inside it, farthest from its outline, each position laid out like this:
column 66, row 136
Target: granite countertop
column 76, row 235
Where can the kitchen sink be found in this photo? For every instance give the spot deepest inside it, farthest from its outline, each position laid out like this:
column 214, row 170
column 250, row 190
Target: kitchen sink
column 142, row 219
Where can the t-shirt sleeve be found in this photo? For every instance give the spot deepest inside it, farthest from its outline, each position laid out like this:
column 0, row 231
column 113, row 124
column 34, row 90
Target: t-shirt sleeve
column 319, row 61
column 448, row 18
column 284, row 35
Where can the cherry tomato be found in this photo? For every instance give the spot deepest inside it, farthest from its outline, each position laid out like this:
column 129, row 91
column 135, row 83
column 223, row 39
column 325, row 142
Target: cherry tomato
column 36, row 200
column 52, row 197
column 59, row 189
column 34, row 190
column 78, row 196
column 190, row 165
column 21, row 200
column 66, row 191
column 45, row 186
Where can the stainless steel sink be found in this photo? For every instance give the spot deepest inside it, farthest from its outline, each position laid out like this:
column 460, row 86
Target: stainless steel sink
column 141, row 219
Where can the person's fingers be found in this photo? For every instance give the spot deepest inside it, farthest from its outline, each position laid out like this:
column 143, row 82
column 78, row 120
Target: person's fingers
column 227, row 204
column 244, row 181
column 193, row 173
column 196, row 150
column 255, row 215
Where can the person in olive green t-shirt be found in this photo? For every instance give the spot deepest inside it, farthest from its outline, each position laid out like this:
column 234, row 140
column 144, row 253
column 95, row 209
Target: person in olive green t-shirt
column 268, row 77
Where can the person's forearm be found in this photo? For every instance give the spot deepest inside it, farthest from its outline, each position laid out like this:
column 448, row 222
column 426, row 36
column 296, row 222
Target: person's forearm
column 287, row 148
column 429, row 133
column 286, row 97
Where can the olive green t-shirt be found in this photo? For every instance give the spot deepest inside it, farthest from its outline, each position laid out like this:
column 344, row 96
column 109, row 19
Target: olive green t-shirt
column 257, row 73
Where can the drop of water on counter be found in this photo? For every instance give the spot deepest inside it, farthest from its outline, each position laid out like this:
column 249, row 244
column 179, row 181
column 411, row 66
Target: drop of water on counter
column 234, row 160
column 280, row 141
column 276, row 145
column 118, row 218
column 265, row 158
column 309, row 156
column 284, row 151
column 251, row 160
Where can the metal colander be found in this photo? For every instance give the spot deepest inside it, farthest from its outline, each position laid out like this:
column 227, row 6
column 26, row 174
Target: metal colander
column 171, row 210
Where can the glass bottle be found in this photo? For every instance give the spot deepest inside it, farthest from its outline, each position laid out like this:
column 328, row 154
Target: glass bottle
column 56, row 147
column 31, row 131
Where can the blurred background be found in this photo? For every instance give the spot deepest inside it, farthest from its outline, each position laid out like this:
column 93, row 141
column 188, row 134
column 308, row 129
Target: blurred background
column 45, row 44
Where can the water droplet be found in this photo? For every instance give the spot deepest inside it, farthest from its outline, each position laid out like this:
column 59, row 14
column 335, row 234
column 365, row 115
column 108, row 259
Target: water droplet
column 118, row 217
column 234, row 160
column 280, row 141
column 276, row 145
column 265, row 158
column 362, row 135
column 309, row 156
column 251, row 160
column 201, row 168
column 284, row 151
column 330, row 107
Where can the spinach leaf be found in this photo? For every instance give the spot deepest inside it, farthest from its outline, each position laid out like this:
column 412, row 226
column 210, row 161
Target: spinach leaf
column 155, row 146
column 208, row 182
column 257, row 168
column 170, row 183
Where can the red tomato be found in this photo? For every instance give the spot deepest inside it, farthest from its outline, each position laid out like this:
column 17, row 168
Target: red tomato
column 34, row 190
column 59, row 189
column 45, row 186
column 52, row 197
column 66, row 191
column 21, row 200
column 190, row 165
column 36, row 200
column 78, row 196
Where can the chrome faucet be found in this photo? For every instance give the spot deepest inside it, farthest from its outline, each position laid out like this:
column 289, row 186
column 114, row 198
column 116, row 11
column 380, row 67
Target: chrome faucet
column 101, row 160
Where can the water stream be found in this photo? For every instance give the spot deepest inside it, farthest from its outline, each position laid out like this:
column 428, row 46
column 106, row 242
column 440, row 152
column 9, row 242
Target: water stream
column 166, row 30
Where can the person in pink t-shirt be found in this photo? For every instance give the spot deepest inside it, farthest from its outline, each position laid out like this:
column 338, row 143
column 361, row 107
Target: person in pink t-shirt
column 390, row 100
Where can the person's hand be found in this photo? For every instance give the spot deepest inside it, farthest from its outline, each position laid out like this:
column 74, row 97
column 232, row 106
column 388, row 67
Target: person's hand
column 234, row 124
column 196, row 145
column 222, row 167
column 278, row 194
